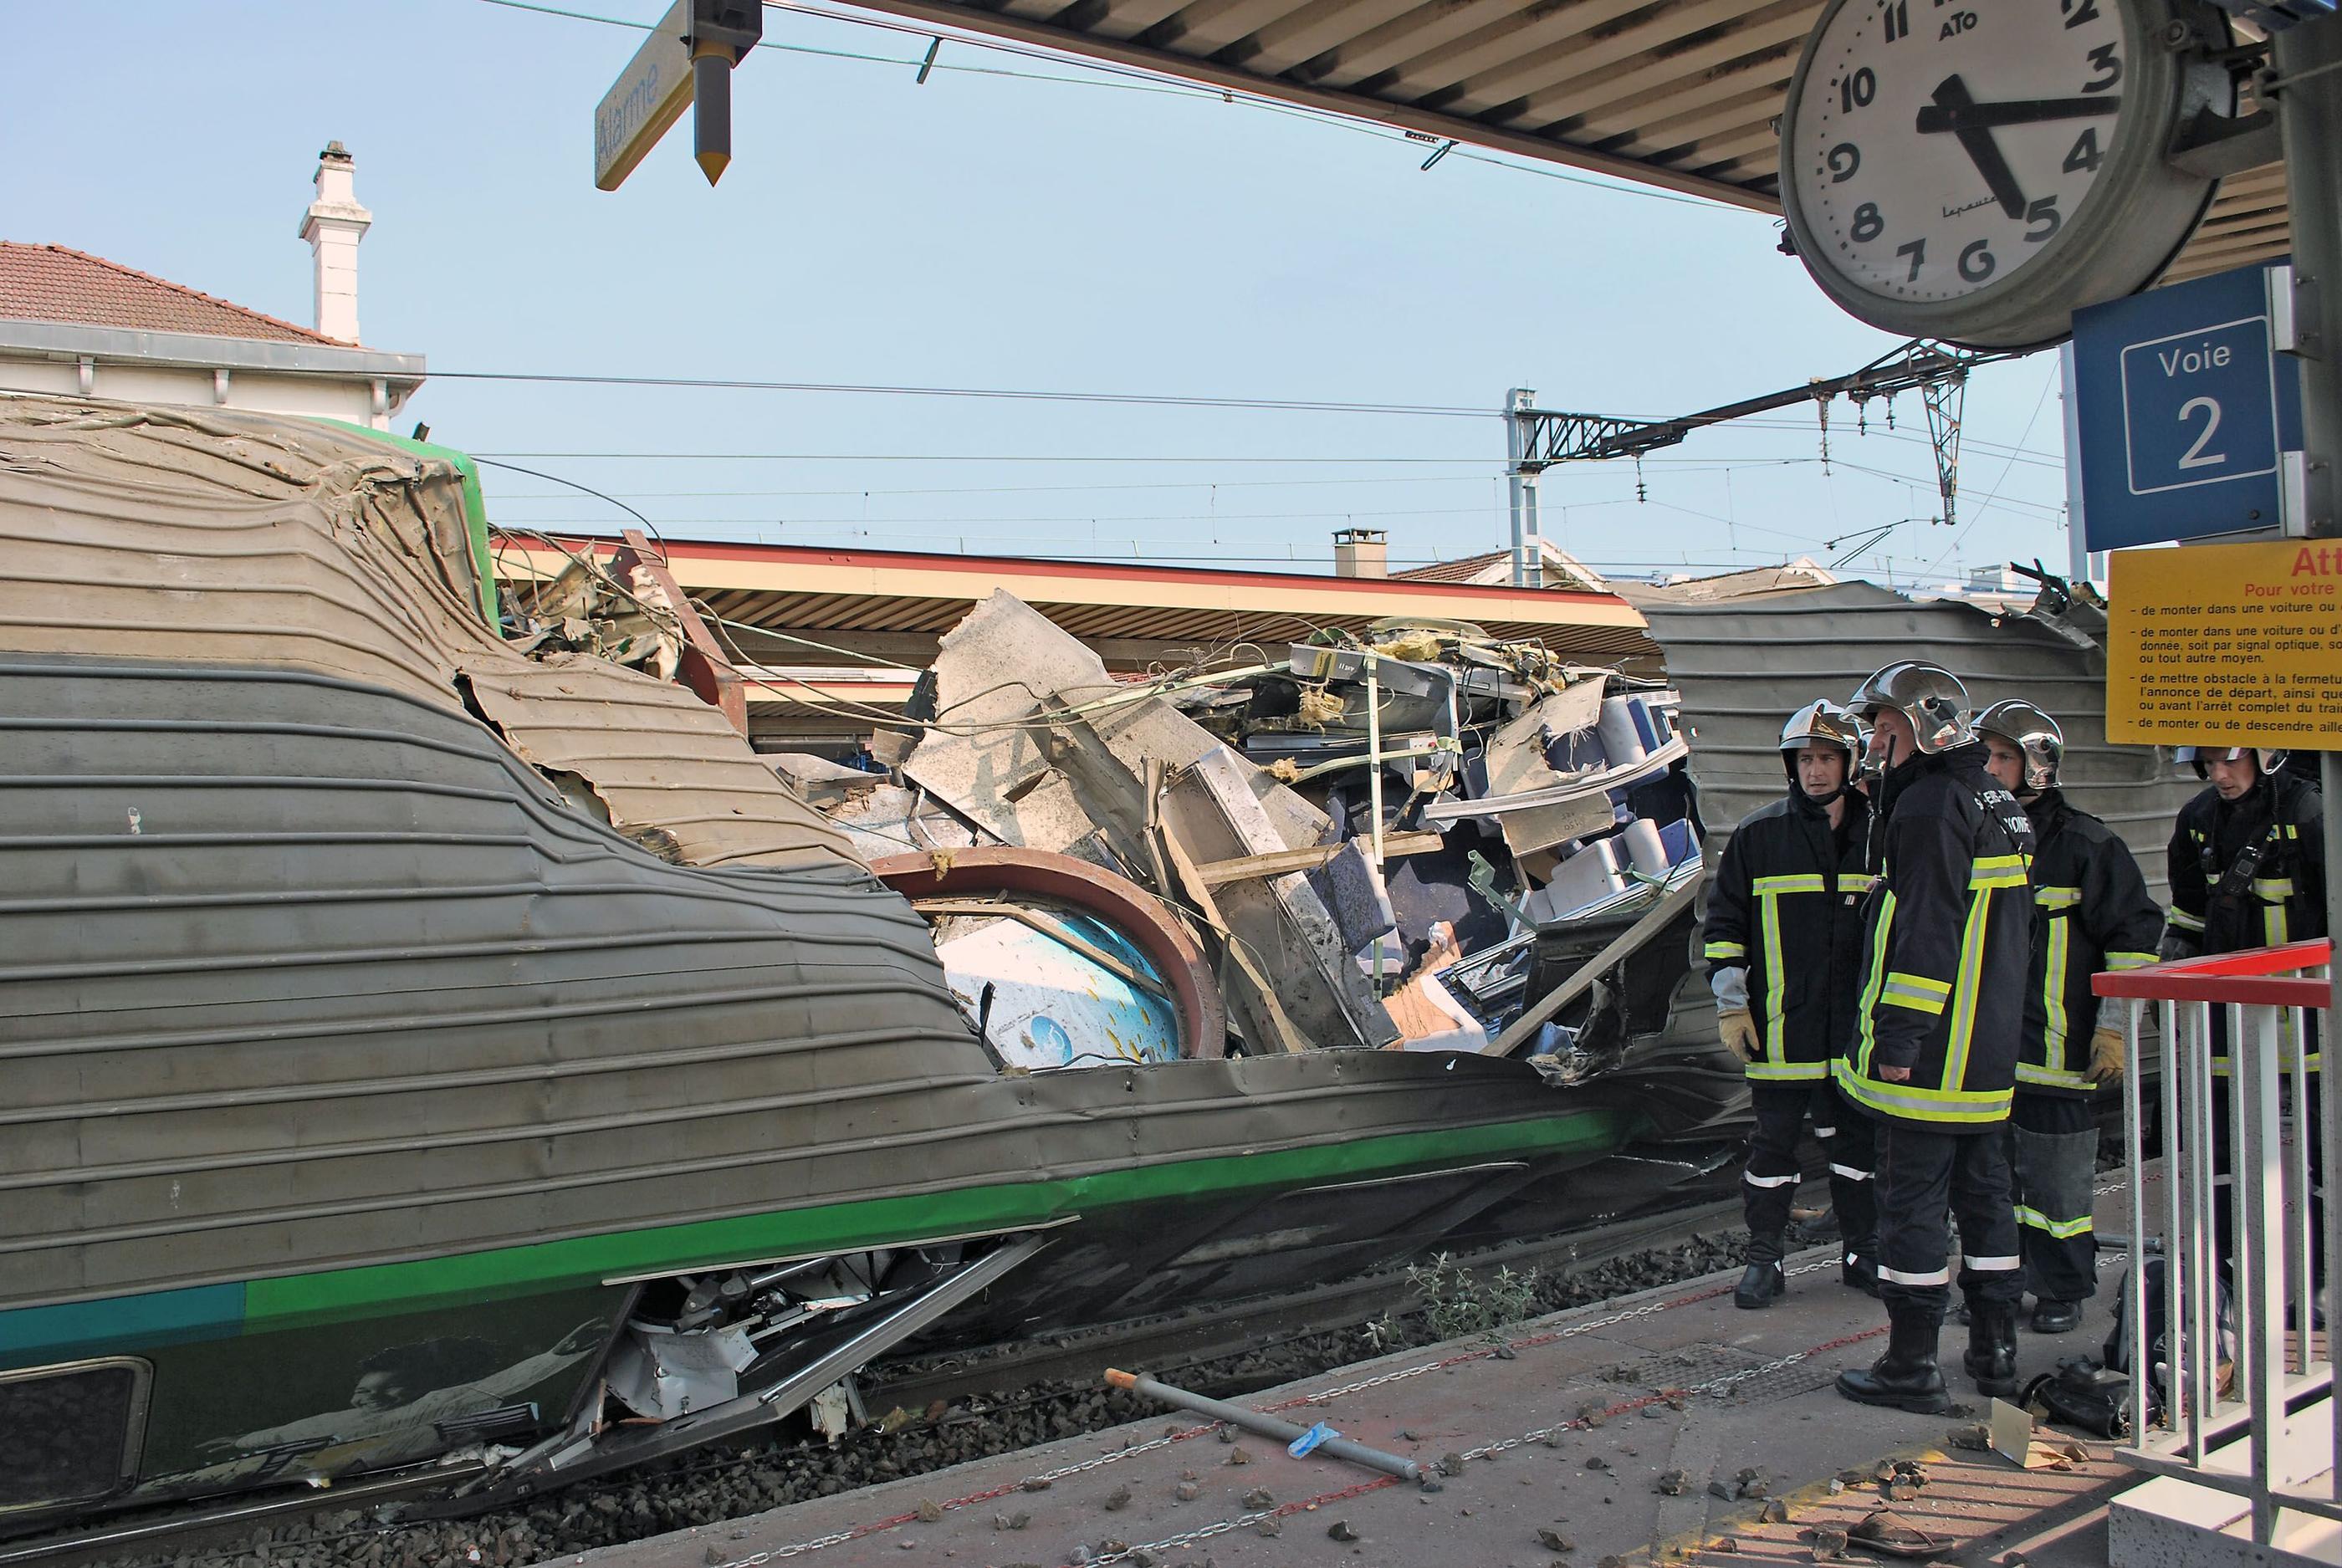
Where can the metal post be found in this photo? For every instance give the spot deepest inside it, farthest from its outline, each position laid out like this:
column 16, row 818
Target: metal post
column 1375, row 763
column 2134, row 1285
column 2198, row 1283
column 2078, row 546
column 2300, row 1291
column 2309, row 119
column 711, row 111
column 1528, row 559
column 2259, row 1188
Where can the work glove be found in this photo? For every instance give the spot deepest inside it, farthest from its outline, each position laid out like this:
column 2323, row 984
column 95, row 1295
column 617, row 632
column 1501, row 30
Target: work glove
column 2106, row 1055
column 2177, row 945
column 1738, row 1030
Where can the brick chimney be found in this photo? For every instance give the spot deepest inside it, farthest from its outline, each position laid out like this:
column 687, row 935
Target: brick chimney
column 333, row 226
column 1361, row 553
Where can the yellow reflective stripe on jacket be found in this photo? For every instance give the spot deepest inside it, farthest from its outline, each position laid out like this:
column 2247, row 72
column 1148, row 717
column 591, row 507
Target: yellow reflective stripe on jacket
column 1776, row 980
column 1915, row 1102
column 1769, row 1072
column 1997, row 871
column 1856, row 882
column 2182, row 920
column 2273, row 924
column 1964, row 1003
column 2053, row 992
column 1717, row 950
column 2283, row 1062
column 2061, row 1229
column 2057, row 898
column 1917, row 991
column 1875, row 980
column 2129, row 960
column 1794, row 882
column 2052, row 1078
column 2273, row 889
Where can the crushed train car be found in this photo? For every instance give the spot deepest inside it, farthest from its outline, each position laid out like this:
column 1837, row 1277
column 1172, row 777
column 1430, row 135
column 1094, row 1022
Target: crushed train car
column 429, row 1033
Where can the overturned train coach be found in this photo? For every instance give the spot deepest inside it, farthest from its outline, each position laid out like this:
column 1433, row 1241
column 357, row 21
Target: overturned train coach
column 416, row 1049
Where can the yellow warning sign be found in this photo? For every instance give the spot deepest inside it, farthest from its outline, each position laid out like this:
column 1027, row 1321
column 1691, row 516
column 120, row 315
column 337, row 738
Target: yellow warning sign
column 2226, row 644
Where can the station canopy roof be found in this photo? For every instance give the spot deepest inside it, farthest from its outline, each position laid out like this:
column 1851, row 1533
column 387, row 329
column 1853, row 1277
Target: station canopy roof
column 1683, row 95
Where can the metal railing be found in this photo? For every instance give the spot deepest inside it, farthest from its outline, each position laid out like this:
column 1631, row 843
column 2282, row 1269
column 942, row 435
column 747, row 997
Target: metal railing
column 2233, row 1400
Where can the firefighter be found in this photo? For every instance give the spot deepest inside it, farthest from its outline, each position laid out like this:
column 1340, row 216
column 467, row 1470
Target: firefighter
column 1948, row 933
column 1784, row 939
column 2091, row 911
column 2248, row 870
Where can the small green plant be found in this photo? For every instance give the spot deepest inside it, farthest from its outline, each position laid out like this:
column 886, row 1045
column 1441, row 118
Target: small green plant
column 1456, row 1303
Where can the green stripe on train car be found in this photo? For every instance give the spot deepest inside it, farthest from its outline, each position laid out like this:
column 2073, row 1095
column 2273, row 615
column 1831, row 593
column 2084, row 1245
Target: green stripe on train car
column 30, row 1334
column 517, row 1271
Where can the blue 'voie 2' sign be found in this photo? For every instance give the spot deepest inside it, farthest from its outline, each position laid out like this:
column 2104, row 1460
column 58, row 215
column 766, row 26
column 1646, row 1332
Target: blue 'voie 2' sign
column 2183, row 408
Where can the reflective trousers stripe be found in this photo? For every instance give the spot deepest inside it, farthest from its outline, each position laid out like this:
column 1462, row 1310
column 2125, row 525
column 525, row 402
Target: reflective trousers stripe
column 2061, row 1229
column 1848, row 1172
column 1900, row 1277
column 1754, row 1179
column 1994, row 1265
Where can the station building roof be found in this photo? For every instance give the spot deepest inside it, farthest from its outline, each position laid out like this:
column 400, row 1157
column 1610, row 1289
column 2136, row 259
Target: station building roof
column 843, row 619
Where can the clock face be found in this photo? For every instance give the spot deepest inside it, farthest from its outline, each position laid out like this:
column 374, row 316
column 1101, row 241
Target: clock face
column 1936, row 149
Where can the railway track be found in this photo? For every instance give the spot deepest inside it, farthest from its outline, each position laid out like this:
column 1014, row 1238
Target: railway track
column 994, row 1400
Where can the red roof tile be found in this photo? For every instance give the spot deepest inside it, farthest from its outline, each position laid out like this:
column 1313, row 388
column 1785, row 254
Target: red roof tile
column 51, row 283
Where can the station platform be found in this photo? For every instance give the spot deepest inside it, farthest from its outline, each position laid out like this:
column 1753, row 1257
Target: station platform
column 1664, row 1428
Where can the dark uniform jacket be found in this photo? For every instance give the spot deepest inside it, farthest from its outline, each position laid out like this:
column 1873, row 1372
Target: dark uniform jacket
column 1949, row 932
column 2091, row 911
column 1787, row 904
column 2251, row 873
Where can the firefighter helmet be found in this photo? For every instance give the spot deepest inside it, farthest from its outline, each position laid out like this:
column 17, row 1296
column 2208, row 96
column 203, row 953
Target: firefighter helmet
column 2267, row 758
column 1929, row 695
column 1822, row 723
column 2030, row 731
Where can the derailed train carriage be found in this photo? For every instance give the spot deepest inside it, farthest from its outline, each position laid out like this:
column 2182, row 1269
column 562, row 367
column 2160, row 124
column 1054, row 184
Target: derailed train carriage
column 425, row 1041
column 416, row 1043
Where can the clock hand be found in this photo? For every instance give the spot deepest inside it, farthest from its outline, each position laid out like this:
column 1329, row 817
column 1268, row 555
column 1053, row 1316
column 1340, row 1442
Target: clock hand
column 1952, row 93
column 1943, row 116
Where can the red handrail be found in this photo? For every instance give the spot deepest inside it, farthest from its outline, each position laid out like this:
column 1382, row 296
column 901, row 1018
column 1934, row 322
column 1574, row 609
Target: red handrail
column 2251, row 977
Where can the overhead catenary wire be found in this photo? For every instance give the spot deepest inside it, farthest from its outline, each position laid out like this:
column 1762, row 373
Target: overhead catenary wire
column 1015, row 394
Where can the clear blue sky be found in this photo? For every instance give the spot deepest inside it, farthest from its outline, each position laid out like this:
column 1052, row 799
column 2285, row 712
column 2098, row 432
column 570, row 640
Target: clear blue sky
column 987, row 230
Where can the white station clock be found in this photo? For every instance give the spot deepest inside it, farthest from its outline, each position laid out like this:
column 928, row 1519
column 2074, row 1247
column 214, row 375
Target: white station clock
column 1977, row 170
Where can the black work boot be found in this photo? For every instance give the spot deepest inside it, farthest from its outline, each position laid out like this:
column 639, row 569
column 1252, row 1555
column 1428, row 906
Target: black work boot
column 1906, row 1377
column 1857, row 1272
column 1761, row 1284
column 2055, row 1317
column 1991, row 1356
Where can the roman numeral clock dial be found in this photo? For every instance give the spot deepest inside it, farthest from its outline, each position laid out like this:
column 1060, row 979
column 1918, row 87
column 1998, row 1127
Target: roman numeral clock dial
column 1975, row 172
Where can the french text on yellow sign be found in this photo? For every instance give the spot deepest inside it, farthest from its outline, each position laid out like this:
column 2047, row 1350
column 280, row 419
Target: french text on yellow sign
column 2226, row 644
